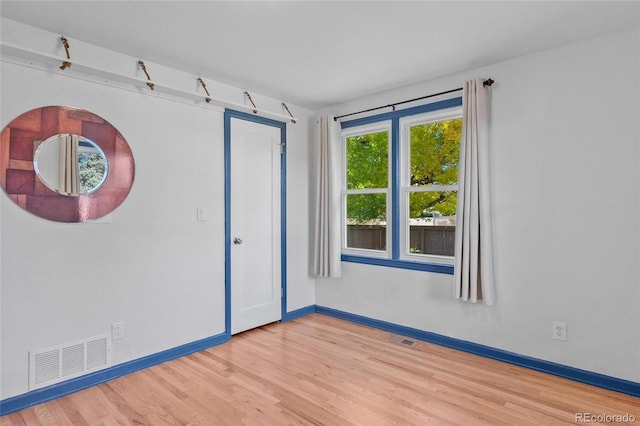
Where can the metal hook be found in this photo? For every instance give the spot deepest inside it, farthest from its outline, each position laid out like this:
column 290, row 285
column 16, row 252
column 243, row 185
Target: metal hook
column 255, row 108
column 293, row 120
column 65, row 43
column 144, row 69
column 204, row 86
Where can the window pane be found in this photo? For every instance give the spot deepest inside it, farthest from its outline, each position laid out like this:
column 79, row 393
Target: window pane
column 367, row 161
column 435, row 149
column 91, row 170
column 366, row 221
column 432, row 222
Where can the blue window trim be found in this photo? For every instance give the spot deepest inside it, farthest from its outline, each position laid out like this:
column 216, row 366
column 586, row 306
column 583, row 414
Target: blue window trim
column 397, row 263
column 394, row 117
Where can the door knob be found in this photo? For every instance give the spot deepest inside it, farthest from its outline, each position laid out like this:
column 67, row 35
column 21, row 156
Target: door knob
column 237, row 241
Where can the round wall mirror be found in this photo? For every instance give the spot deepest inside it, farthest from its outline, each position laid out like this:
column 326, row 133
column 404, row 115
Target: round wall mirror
column 65, row 164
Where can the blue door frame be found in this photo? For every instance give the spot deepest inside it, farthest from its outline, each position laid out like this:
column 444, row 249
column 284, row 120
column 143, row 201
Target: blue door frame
column 228, row 115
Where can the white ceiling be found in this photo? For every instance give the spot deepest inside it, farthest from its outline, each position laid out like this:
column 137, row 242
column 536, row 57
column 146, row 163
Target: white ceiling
column 320, row 53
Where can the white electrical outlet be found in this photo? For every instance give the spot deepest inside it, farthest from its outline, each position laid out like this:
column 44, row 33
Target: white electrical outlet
column 559, row 330
column 117, row 330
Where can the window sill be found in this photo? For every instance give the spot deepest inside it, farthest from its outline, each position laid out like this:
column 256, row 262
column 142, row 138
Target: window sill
column 401, row 264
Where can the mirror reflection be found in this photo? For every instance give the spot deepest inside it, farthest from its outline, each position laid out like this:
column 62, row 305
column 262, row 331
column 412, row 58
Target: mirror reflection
column 70, row 164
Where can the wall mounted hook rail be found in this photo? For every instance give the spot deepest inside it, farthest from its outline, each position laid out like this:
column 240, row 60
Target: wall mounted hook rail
column 128, row 81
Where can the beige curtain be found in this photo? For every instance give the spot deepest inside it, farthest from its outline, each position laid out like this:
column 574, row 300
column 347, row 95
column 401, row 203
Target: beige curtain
column 68, row 177
column 473, row 273
column 328, row 244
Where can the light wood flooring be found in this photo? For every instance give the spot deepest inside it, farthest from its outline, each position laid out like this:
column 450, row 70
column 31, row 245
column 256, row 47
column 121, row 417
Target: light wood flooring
column 319, row 370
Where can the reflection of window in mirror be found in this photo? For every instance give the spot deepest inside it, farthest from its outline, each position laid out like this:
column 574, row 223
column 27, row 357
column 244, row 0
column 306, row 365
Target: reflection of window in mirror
column 66, row 157
column 92, row 166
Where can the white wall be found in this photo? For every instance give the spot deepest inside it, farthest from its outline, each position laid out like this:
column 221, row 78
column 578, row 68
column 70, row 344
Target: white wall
column 150, row 264
column 565, row 173
column 566, row 219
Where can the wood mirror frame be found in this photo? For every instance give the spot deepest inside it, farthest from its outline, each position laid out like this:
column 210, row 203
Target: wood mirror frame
column 21, row 183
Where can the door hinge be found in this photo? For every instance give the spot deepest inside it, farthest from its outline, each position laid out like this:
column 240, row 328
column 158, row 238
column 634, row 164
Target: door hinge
column 281, row 148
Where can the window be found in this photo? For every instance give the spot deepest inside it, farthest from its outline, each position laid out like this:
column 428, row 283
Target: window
column 431, row 149
column 400, row 187
column 366, row 194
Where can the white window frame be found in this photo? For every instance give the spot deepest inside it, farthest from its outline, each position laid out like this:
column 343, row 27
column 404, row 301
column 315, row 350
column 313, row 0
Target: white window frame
column 405, row 189
column 377, row 127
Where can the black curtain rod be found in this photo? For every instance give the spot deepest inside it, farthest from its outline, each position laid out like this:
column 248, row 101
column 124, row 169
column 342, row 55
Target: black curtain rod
column 486, row 83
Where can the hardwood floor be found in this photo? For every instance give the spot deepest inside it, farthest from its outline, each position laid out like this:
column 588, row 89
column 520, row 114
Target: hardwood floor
column 319, row 370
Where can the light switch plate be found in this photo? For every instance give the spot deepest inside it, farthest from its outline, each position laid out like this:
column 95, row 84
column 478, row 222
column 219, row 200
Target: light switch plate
column 201, row 214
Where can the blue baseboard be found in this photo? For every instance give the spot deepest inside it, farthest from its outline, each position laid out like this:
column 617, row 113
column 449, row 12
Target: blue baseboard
column 58, row 390
column 38, row 396
column 583, row 376
column 290, row 316
column 20, row 402
column 29, row 399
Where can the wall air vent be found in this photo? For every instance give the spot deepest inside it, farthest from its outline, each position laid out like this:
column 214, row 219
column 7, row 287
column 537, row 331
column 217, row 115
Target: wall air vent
column 62, row 362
